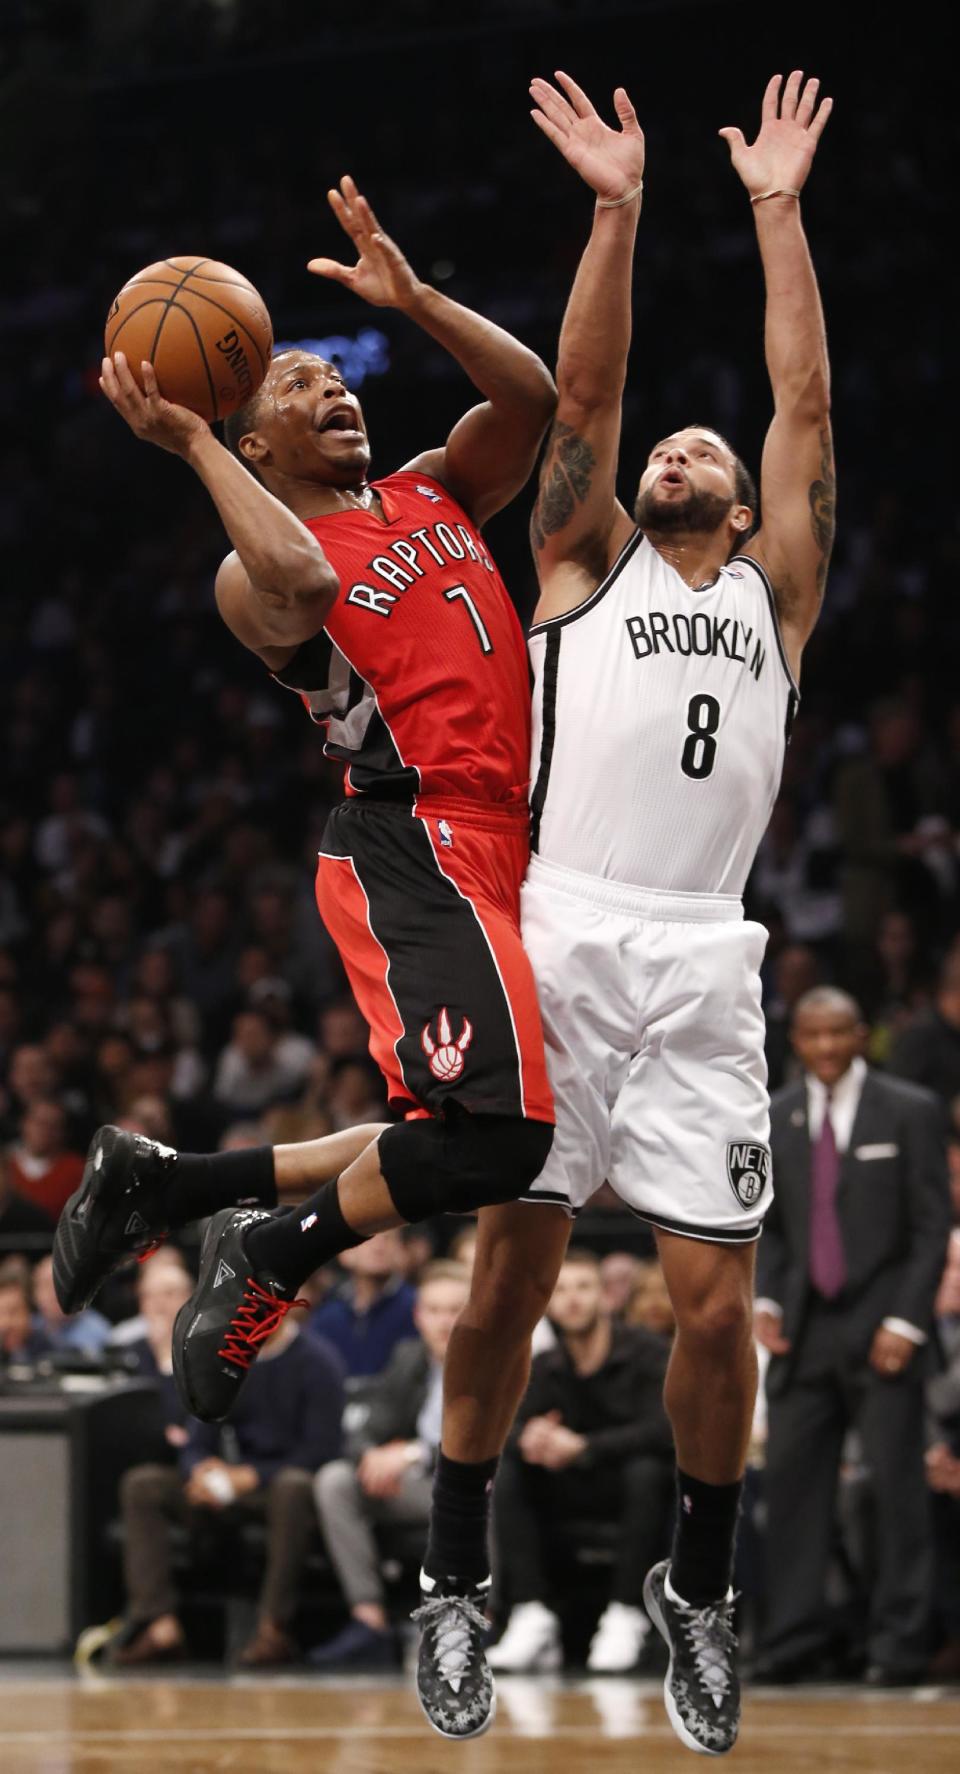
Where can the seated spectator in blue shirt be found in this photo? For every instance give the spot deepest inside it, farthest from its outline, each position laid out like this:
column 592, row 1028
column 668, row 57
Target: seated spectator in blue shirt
column 261, row 1464
column 391, row 1481
column 86, row 1333
column 21, row 1341
column 373, row 1311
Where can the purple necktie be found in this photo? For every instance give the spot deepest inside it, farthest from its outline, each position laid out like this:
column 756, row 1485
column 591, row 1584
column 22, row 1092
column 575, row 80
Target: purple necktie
column 828, row 1265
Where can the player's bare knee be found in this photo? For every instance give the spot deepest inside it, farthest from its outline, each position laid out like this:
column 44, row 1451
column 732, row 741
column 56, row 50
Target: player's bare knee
column 718, row 1320
column 461, row 1163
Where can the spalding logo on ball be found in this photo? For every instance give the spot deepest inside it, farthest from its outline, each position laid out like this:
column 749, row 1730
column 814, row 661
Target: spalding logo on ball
column 204, row 328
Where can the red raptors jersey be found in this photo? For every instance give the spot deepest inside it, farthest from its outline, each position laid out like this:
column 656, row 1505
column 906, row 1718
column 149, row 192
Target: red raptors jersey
column 420, row 673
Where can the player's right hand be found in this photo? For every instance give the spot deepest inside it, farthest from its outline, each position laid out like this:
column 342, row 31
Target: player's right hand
column 148, row 415
column 609, row 160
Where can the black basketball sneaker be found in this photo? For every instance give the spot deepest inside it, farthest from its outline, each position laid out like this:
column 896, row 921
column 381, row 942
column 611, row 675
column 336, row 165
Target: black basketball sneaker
column 454, row 1684
column 701, row 1688
column 117, row 1213
column 218, row 1333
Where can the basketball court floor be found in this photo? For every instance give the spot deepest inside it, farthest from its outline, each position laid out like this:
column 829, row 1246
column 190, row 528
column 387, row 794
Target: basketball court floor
column 54, row 1723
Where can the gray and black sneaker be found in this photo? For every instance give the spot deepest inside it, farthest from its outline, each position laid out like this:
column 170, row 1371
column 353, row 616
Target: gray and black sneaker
column 701, row 1688
column 232, row 1310
column 117, row 1213
column 454, row 1684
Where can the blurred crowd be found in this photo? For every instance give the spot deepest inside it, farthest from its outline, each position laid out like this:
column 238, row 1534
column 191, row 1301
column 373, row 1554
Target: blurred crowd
column 161, row 802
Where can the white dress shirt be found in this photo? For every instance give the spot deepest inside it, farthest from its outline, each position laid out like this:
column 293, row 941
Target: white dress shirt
column 844, row 1099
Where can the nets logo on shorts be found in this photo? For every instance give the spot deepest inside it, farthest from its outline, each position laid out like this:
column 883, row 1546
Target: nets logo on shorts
column 445, row 1054
column 749, row 1168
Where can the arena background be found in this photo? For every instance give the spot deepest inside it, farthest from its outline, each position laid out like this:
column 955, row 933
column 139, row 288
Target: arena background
column 155, row 784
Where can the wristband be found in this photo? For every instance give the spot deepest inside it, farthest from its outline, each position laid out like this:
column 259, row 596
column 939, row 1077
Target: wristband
column 783, row 191
column 618, row 202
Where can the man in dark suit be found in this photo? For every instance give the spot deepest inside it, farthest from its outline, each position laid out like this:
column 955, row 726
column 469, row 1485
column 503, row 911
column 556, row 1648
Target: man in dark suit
column 848, row 1269
column 393, row 1479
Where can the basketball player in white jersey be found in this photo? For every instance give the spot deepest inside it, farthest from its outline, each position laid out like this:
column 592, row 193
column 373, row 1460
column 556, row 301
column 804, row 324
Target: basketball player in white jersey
column 666, row 647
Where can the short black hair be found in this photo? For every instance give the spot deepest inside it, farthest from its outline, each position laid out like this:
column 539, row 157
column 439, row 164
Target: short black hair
column 239, row 424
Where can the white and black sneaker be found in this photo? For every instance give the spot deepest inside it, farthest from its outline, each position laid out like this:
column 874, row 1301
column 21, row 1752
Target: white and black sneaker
column 701, row 1688
column 231, row 1312
column 117, row 1213
column 454, row 1684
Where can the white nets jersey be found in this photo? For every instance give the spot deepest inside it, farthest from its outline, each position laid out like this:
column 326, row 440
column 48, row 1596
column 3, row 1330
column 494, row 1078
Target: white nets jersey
column 660, row 720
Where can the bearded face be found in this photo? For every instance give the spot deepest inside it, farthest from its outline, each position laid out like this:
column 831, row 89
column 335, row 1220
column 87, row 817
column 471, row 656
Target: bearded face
column 696, row 512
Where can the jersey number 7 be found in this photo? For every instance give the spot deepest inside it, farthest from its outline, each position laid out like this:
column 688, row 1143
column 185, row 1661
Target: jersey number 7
column 460, row 591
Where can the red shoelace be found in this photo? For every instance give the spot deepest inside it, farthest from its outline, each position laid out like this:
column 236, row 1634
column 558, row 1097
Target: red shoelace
column 257, row 1319
column 149, row 1250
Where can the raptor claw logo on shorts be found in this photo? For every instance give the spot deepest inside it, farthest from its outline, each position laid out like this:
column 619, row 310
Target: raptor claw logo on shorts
column 748, row 1168
column 445, row 1054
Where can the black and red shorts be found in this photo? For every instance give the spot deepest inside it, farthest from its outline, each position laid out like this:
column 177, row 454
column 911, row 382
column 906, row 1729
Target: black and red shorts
column 424, row 907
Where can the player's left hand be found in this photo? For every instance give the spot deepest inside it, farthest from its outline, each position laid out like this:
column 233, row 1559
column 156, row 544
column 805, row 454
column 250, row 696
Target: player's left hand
column 381, row 275
column 890, row 1353
column 790, row 128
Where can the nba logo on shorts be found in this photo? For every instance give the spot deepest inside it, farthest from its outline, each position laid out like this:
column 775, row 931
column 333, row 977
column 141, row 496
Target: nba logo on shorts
column 446, row 835
column 748, row 1168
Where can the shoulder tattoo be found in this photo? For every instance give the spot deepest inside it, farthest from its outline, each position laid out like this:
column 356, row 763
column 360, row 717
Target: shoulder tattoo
column 564, row 480
column 823, row 506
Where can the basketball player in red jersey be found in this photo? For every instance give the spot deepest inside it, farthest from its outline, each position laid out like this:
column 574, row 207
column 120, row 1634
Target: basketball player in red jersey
column 379, row 603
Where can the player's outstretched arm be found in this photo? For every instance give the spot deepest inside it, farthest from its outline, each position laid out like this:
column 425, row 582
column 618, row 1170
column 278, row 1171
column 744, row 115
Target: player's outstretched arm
column 276, row 589
column 578, row 527
column 797, row 482
column 490, row 453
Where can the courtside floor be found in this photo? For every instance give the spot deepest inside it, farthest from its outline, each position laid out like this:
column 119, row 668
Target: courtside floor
column 52, row 1722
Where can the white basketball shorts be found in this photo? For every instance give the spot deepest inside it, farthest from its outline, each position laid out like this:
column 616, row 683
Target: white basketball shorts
column 655, row 1051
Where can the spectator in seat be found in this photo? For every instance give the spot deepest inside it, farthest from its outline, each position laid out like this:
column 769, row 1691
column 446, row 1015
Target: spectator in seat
column 23, row 1226
column 21, row 1340
column 927, row 1051
column 591, row 1443
column 42, row 1168
column 261, row 1465
column 619, row 1273
column 374, row 1310
column 848, row 1269
column 252, row 1071
column 392, row 1480
column 87, row 1332
column 943, row 1472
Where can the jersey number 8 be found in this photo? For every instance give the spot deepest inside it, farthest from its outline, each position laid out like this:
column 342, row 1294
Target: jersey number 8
column 700, row 749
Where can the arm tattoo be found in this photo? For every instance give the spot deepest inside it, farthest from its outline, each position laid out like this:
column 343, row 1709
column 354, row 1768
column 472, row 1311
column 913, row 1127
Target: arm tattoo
column 823, row 507
column 565, row 478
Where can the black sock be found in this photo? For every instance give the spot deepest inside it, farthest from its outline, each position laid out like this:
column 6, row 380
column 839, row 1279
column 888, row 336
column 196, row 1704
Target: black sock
column 701, row 1563
column 203, row 1183
column 457, row 1545
column 294, row 1244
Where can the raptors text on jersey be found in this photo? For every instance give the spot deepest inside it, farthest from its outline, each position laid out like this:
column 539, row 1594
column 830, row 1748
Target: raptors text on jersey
column 420, row 673
column 660, row 718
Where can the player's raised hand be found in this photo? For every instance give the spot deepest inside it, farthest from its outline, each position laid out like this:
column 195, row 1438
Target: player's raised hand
column 609, row 160
column 790, row 128
column 148, row 415
column 381, row 274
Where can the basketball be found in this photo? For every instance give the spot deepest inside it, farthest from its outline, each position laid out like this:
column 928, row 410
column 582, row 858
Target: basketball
column 204, row 328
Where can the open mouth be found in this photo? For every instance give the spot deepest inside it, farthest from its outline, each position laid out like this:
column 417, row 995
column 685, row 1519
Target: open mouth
column 341, row 419
column 672, row 477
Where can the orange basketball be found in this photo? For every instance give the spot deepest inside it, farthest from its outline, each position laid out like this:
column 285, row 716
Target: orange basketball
column 204, row 328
